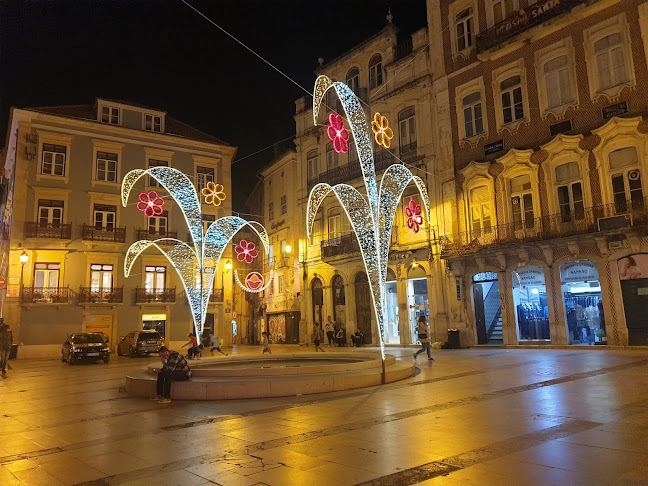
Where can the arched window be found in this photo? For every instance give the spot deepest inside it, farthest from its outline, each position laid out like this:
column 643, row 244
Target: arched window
column 512, row 104
column 375, row 71
column 480, row 211
column 472, row 110
column 610, row 61
column 557, row 82
column 626, row 179
column 353, row 79
column 522, row 202
column 464, row 29
column 570, row 192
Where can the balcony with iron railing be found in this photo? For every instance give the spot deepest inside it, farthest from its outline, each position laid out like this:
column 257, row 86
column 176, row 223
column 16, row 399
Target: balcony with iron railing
column 342, row 245
column 403, row 49
column 91, row 295
column 145, row 234
column 155, row 296
column 524, row 20
column 572, row 223
column 113, row 235
column 352, row 170
column 48, row 230
column 45, row 295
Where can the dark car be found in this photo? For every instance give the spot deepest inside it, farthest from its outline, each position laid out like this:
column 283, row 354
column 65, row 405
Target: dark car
column 85, row 346
column 137, row 343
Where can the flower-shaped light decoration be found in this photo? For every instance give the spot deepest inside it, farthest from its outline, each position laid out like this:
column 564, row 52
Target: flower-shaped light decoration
column 246, row 251
column 414, row 218
column 150, row 203
column 380, row 128
column 338, row 134
column 254, row 280
column 214, row 193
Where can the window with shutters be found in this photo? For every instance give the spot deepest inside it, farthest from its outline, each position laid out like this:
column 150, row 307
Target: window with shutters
column 610, row 62
column 110, row 114
column 106, row 167
column 105, row 217
column 511, row 96
column 556, row 82
column 53, row 159
column 50, row 213
column 101, row 277
column 556, row 77
column 407, row 127
column 464, row 29
column 155, row 278
column 472, row 115
column 158, row 224
column 312, row 160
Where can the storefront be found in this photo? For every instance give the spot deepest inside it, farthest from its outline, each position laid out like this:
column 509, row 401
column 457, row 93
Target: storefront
column 392, row 333
column 633, row 272
column 417, row 298
column 156, row 322
column 530, row 301
column 487, row 308
column 581, row 293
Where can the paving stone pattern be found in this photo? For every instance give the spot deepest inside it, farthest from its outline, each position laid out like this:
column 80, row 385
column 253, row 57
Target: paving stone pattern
column 473, row 417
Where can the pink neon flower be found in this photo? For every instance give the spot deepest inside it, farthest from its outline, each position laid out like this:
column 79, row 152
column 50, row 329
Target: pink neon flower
column 151, row 204
column 338, row 134
column 246, row 251
column 413, row 213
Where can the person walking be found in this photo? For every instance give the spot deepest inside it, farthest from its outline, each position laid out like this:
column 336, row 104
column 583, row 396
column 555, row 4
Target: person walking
column 424, row 337
column 174, row 368
column 318, row 335
column 265, row 342
column 6, row 341
column 330, row 334
column 213, row 340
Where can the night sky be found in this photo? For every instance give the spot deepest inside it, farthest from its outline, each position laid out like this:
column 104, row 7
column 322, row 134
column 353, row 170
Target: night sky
column 164, row 55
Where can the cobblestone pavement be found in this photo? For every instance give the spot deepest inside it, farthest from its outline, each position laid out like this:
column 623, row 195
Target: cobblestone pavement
column 472, row 417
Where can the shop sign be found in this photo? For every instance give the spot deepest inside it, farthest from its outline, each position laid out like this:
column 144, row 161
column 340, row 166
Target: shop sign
column 615, row 110
column 533, row 13
column 278, row 224
column 581, row 271
column 633, row 267
column 494, row 147
column 528, row 276
column 485, row 277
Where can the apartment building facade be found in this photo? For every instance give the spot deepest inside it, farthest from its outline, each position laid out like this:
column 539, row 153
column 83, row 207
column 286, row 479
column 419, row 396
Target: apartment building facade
column 549, row 139
column 69, row 232
column 326, row 275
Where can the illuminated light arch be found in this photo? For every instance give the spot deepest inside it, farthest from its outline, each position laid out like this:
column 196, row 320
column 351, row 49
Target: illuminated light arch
column 371, row 216
column 196, row 263
column 247, row 288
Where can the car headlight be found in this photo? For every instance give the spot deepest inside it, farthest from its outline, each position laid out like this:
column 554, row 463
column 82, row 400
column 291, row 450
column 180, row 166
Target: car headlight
column 105, row 350
column 77, row 350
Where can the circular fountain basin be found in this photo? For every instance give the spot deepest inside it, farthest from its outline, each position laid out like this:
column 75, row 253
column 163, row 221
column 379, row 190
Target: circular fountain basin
column 237, row 377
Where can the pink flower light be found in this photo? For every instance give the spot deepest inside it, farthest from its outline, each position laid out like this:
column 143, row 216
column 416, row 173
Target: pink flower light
column 246, row 251
column 338, row 134
column 414, row 218
column 150, row 203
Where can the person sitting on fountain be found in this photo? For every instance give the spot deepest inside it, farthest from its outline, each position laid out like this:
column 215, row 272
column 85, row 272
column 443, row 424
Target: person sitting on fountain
column 340, row 337
column 358, row 338
column 174, row 368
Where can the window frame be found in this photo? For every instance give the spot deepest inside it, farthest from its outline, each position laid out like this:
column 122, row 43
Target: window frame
column 111, row 115
column 500, row 75
column 153, row 116
column 202, row 173
column 404, row 116
column 100, row 157
column 516, row 163
column 102, row 272
column 103, row 146
column 563, row 47
column 104, row 212
column 284, row 204
column 49, row 205
column 490, row 11
column 353, row 76
column 270, row 211
column 461, row 92
column 614, row 25
column 50, row 138
column 155, row 271
column 454, row 10
column 312, row 159
column 376, row 71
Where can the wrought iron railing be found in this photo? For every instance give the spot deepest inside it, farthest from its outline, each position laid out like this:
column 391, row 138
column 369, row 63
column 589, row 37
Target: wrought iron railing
column 143, row 234
column 547, row 227
column 152, row 296
column 342, row 245
column 90, row 295
column 403, row 49
column 408, row 152
column 48, row 230
column 92, row 233
column 45, row 295
column 524, row 20
column 348, row 172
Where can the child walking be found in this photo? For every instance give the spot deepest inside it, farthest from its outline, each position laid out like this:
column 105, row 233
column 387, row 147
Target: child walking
column 265, row 341
column 318, row 336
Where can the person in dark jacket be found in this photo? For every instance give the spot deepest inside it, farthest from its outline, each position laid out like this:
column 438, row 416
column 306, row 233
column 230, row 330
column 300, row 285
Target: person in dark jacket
column 174, row 368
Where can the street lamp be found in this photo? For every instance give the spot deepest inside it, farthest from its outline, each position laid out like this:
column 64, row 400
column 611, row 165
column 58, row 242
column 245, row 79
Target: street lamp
column 228, row 266
column 23, row 259
column 287, row 249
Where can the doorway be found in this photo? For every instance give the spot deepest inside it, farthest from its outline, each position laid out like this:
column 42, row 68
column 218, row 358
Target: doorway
column 363, row 306
column 581, row 291
column 417, row 299
column 317, row 294
column 392, row 333
column 488, row 311
column 633, row 272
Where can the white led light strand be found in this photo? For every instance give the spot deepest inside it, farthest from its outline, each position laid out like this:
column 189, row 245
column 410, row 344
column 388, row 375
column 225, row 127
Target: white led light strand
column 372, row 217
column 196, row 266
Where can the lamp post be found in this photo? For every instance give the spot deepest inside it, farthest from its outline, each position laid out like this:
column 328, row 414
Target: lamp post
column 23, row 259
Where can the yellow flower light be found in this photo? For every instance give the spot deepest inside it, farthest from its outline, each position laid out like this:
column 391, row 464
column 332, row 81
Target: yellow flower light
column 214, row 194
column 380, row 128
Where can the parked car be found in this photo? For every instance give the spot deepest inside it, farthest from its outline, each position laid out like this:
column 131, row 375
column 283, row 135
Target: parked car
column 137, row 343
column 84, row 346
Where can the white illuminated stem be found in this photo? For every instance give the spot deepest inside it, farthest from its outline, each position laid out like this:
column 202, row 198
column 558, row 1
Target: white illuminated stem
column 371, row 217
column 196, row 266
